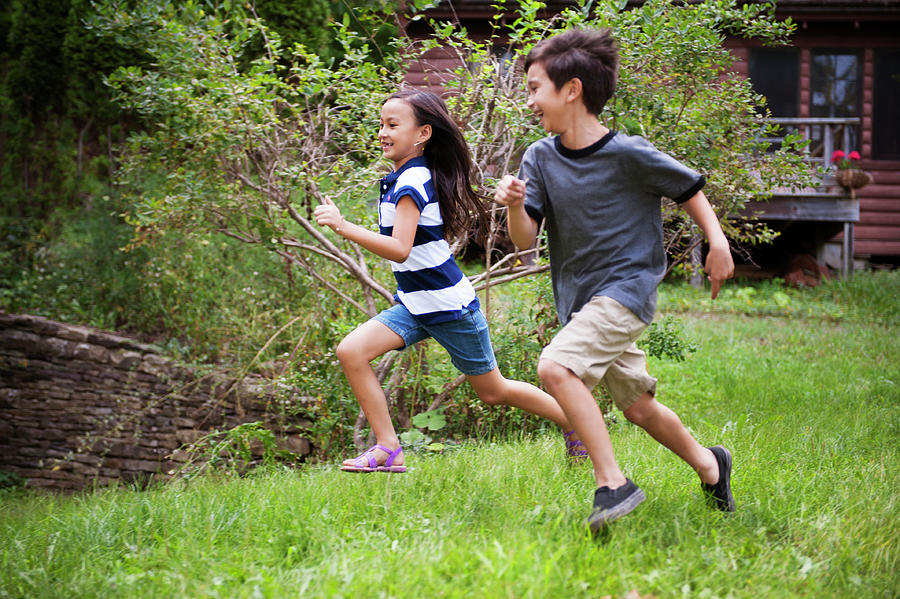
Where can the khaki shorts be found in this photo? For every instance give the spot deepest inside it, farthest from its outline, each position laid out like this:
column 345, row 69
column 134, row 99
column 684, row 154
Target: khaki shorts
column 598, row 344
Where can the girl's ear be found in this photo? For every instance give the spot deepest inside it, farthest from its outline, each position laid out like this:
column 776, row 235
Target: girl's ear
column 424, row 133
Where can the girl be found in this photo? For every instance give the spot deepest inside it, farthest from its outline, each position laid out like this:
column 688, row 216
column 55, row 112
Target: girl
column 427, row 199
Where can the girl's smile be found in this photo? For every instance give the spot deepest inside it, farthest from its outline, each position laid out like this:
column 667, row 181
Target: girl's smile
column 399, row 134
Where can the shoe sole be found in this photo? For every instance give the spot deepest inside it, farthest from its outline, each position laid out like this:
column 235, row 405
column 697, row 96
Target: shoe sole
column 600, row 518
column 729, row 507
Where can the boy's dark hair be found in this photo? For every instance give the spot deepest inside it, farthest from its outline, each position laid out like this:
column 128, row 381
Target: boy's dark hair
column 590, row 55
column 450, row 162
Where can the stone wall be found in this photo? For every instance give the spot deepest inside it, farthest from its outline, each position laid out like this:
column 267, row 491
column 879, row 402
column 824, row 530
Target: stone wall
column 80, row 406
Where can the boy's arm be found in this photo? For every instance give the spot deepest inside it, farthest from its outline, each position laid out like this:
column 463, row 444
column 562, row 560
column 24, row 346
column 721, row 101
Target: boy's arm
column 719, row 263
column 522, row 228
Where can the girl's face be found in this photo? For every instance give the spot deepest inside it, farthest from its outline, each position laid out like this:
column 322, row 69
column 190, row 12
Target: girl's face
column 400, row 136
column 547, row 102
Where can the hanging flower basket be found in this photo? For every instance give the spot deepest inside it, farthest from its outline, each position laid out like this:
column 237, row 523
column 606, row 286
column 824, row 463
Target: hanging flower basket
column 846, row 174
column 852, row 178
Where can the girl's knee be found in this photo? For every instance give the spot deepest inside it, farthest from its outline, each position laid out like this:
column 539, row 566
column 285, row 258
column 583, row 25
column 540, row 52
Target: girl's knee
column 492, row 397
column 346, row 352
column 491, row 391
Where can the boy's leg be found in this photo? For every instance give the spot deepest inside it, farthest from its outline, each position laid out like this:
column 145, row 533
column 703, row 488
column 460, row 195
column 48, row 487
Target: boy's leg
column 582, row 411
column 665, row 426
column 492, row 388
column 626, row 380
column 575, row 361
column 355, row 352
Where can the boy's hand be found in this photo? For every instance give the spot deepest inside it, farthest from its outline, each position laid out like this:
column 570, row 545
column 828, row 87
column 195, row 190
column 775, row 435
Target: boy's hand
column 719, row 266
column 510, row 191
column 329, row 215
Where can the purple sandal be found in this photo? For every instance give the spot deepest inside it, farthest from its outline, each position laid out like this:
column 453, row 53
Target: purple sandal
column 366, row 462
column 572, row 447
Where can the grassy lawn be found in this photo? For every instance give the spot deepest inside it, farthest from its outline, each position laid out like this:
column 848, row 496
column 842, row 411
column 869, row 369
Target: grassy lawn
column 810, row 407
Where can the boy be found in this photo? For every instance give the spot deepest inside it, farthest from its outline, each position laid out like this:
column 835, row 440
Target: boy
column 599, row 192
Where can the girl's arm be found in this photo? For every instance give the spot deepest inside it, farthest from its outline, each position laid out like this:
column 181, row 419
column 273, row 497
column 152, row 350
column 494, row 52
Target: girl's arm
column 719, row 263
column 395, row 248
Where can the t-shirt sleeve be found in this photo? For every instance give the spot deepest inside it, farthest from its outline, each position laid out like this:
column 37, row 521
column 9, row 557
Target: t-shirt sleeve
column 409, row 184
column 535, row 192
column 663, row 175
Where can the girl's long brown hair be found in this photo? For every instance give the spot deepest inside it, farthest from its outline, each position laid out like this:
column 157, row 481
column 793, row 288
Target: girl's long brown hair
column 451, row 165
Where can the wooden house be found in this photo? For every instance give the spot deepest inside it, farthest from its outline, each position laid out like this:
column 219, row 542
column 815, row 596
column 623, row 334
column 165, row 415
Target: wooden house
column 838, row 84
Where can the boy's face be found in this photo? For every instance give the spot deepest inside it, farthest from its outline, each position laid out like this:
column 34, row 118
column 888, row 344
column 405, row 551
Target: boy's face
column 550, row 104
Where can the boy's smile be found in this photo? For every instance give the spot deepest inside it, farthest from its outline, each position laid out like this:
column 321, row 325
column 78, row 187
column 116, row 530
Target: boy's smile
column 561, row 110
column 546, row 101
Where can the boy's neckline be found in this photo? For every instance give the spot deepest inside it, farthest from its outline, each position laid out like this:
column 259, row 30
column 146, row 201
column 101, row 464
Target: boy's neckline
column 582, row 152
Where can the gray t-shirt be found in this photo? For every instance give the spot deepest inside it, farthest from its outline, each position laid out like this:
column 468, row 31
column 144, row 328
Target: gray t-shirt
column 602, row 205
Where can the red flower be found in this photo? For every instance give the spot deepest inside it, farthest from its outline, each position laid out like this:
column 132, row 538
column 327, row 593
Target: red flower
column 837, row 155
column 854, row 155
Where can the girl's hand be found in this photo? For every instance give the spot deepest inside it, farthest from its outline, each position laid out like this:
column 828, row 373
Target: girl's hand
column 329, row 215
column 510, row 191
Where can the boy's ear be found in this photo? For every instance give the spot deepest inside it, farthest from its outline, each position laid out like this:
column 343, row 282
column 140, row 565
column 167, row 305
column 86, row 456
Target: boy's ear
column 575, row 88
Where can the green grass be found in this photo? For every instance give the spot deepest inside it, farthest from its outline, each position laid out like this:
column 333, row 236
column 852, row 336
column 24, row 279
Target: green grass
column 809, row 406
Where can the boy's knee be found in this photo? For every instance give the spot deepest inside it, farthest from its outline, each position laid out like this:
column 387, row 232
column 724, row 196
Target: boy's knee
column 551, row 372
column 642, row 410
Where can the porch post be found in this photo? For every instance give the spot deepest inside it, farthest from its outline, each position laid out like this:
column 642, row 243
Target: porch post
column 847, row 250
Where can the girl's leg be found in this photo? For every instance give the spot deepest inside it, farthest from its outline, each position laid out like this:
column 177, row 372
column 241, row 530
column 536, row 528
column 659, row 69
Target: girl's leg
column 492, row 388
column 355, row 352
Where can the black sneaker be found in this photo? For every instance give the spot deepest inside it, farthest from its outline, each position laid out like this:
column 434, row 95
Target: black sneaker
column 719, row 495
column 612, row 504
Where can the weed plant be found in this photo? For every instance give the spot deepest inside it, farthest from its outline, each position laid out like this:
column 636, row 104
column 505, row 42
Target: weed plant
column 809, row 406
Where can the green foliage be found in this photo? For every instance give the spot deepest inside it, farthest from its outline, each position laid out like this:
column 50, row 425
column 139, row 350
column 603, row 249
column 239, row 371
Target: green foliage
column 432, row 420
column 36, row 76
column 664, row 338
column 10, row 480
column 234, row 451
column 67, row 277
column 57, row 125
column 303, row 22
column 675, row 88
column 246, row 152
column 866, row 296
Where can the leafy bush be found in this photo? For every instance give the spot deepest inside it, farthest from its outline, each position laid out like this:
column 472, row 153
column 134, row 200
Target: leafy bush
column 664, row 339
column 234, row 451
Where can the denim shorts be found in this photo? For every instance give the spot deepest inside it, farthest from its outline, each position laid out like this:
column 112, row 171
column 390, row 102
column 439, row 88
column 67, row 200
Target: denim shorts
column 466, row 340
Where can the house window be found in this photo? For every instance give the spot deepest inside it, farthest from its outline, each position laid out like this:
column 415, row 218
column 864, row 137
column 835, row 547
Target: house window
column 835, row 78
column 775, row 73
column 886, row 108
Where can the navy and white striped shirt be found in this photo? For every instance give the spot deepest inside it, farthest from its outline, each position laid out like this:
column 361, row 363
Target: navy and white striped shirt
column 429, row 282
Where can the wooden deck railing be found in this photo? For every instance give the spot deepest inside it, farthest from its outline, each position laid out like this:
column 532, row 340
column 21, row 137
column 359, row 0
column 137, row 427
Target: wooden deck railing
column 827, row 202
column 826, row 135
